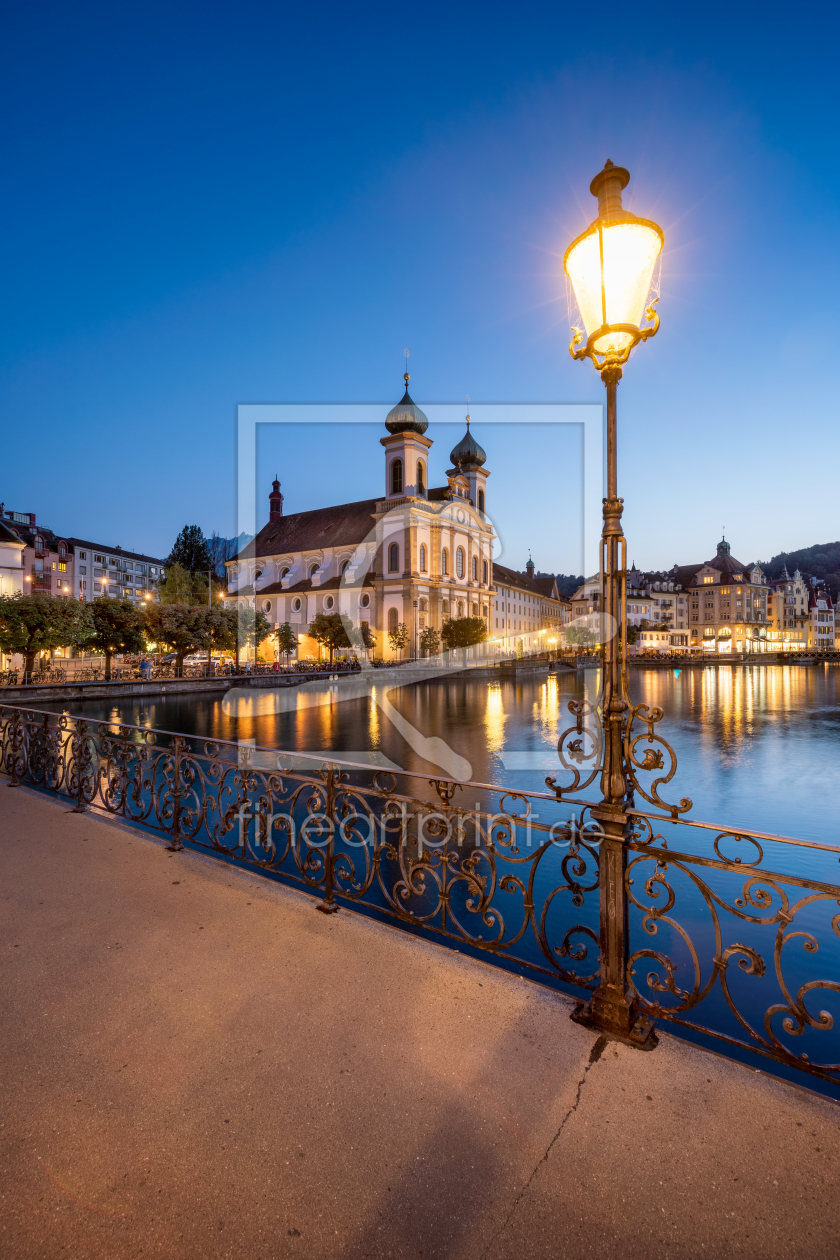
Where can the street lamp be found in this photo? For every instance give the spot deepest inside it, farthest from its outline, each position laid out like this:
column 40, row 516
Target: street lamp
column 610, row 267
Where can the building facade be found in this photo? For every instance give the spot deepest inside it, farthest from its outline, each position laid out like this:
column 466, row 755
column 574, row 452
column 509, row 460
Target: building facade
column 414, row 557
column 728, row 604
column 527, row 610
column 69, row 567
column 788, row 607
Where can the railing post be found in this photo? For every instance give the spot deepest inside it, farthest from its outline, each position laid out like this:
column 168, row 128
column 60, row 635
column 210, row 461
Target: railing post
column 329, row 905
column 80, row 739
column 176, row 844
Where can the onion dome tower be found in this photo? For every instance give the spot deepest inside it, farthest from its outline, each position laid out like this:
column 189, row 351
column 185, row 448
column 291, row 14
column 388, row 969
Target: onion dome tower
column 406, row 417
column 406, row 449
column 468, row 458
column 467, row 451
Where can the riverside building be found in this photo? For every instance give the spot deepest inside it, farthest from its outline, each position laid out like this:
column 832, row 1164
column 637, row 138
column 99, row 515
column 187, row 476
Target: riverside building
column 69, row 567
column 414, row 556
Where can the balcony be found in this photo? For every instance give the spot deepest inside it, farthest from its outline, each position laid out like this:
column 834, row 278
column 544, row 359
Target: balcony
column 42, row 581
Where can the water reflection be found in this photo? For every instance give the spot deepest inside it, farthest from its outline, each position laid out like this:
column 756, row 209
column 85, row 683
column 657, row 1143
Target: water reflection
column 757, row 745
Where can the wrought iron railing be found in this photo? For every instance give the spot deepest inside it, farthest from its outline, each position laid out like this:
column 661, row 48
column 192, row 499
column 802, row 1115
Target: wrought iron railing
column 732, row 932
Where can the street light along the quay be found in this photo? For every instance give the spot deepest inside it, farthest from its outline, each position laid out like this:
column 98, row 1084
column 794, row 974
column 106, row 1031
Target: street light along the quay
column 610, row 267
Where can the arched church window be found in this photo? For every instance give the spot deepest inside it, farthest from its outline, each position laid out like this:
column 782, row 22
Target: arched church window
column 459, row 562
column 481, row 501
column 392, row 618
column 421, row 478
column 394, row 558
column 396, row 477
column 284, row 571
column 475, row 568
column 422, row 557
column 484, row 572
column 444, row 562
column 342, row 567
column 313, row 569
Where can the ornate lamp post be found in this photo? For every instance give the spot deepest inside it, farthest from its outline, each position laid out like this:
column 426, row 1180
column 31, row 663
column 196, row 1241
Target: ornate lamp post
column 610, row 267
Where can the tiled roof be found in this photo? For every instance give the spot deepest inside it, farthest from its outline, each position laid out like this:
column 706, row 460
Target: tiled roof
column 9, row 534
column 346, row 525
column 114, row 551
column 545, row 587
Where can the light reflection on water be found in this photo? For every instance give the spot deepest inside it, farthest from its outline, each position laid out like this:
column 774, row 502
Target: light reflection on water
column 757, row 745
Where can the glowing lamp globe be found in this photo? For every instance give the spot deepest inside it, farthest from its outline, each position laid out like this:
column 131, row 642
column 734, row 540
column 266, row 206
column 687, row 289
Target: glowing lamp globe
column 610, row 267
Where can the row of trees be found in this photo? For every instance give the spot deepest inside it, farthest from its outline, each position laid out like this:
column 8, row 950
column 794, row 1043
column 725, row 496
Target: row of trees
column 32, row 624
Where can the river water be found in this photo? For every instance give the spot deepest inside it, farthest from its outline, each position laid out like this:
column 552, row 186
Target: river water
column 758, row 746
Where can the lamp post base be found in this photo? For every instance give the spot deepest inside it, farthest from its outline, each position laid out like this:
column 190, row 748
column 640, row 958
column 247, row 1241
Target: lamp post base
column 641, row 1035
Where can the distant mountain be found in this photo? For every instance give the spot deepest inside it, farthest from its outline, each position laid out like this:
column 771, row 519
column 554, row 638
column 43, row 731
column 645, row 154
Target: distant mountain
column 821, row 561
column 222, row 549
column 566, row 583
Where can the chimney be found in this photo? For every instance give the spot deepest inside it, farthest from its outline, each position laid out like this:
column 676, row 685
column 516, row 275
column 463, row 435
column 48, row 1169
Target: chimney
column 275, row 500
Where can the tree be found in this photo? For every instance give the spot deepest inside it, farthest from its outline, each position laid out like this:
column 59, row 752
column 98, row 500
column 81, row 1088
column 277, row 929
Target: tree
column 182, row 587
column 117, row 626
column 463, row 632
column 182, row 628
column 398, row 636
column 30, row 624
column 580, row 635
column 286, row 640
column 191, row 551
column 329, row 631
column 252, row 628
column 430, row 641
column 368, row 641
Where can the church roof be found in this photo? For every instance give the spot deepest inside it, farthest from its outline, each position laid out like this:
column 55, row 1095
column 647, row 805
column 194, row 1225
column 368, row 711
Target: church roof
column 342, row 526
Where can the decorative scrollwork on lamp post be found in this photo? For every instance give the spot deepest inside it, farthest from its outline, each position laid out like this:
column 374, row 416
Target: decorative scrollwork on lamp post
column 610, row 268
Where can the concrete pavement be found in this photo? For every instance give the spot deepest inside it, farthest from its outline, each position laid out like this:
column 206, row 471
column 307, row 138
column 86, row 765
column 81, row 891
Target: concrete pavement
column 196, row 1064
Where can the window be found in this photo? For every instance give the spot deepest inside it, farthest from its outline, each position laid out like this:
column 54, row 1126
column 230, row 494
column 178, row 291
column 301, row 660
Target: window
column 267, row 605
column 364, row 602
column 484, row 572
column 459, row 562
column 284, row 571
column 392, row 618
column 444, row 562
column 481, row 501
column 394, row 558
column 295, row 605
column 329, row 602
column 83, row 567
column 422, row 557
column 475, row 568
column 343, row 566
column 62, row 566
column 421, row 478
column 708, row 580
column 141, row 568
column 313, row 569
column 98, row 559
column 396, row 477
column 83, row 555
column 152, row 570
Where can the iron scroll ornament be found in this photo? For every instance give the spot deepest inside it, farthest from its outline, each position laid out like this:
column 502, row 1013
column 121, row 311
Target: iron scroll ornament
column 613, row 358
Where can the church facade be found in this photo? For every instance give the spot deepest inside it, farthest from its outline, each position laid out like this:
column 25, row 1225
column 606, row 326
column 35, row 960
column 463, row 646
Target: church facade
column 414, row 556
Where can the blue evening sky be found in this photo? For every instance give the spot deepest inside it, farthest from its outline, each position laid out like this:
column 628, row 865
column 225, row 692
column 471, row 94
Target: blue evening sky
column 207, row 204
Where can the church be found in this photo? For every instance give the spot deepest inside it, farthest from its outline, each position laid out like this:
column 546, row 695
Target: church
column 417, row 555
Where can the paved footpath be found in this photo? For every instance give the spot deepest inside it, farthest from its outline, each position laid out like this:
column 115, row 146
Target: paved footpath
column 195, row 1064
